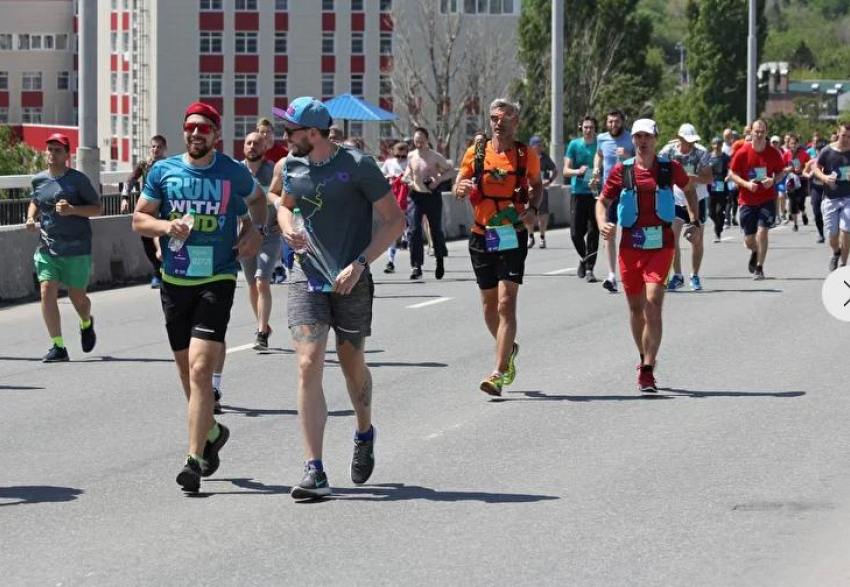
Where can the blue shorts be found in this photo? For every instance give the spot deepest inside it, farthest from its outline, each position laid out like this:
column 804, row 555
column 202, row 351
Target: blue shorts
column 753, row 217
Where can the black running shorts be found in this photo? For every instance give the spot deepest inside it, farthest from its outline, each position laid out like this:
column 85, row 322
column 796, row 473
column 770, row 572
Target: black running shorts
column 491, row 268
column 196, row 311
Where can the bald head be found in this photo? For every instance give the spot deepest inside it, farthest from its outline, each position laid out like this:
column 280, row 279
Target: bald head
column 255, row 146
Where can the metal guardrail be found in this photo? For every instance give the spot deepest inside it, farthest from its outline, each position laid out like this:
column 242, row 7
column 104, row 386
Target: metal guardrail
column 14, row 210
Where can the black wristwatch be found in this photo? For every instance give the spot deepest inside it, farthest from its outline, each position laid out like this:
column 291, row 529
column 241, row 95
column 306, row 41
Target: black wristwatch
column 262, row 229
column 696, row 223
column 361, row 260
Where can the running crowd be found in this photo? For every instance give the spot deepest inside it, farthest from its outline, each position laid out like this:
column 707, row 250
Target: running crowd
column 310, row 206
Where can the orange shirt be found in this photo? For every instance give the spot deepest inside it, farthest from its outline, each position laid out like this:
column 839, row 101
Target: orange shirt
column 499, row 180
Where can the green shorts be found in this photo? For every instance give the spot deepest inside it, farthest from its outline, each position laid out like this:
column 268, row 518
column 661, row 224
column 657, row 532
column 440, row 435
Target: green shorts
column 72, row 271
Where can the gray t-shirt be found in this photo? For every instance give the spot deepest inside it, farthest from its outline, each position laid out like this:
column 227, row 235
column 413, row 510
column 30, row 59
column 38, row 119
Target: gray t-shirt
column 336, row 202
column 64, row 236
column 264, row 178
column 838, row 162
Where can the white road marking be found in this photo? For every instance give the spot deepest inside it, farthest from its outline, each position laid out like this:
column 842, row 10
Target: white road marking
column 561, row 271
column 236, row 349
column 727, row 238
column 428, row 303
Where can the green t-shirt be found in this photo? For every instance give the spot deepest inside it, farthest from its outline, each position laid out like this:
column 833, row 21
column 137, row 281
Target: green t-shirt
column 581, row 153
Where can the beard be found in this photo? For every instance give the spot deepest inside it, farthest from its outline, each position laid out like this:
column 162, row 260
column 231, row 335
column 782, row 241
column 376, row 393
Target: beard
column 198, row 152
column 300, row 149
column 616, row 132
column 253, row 156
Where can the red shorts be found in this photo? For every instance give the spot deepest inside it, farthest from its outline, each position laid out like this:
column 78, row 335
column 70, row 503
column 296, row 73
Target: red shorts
column 639, row 267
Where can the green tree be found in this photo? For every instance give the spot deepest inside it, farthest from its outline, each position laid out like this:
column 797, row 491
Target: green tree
column 803, row 57
column 17, row 158
column 717, row 60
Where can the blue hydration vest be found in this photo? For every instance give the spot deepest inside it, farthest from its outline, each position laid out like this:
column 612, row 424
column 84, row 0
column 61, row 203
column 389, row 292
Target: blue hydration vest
column 665, row 203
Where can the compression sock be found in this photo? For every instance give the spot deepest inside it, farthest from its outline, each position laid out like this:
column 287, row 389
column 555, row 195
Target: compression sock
column 217, row 381
column 214, row 433
column 85, row 323
column 316, row 464
column 58, row 341
column 368, row 435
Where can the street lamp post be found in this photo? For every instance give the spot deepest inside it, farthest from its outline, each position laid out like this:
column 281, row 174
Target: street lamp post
column 88, row 153
column 751, row 64
column 556, row 144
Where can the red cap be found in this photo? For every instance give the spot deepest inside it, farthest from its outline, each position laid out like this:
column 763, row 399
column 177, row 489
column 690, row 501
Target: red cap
column 204, row 110
column 59, row 138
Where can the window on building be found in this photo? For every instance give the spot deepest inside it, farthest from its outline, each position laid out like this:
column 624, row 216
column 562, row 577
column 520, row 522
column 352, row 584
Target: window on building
column 475, row 6
column 63, row 80
column 246, row 42
column 281, row 5
column 386, row 130
column 4, row 115
column 328, row 5
column 356, row 43
column 6, row 42
column 23, row 42
column 386, row 44
column 126, row 5
column 125, row 126
column 245, row 5
column 280, row 81
column 327, row 43
column 448, row 6
column 385, row 86
column 243, row 126
column 357, row 84
column 328, row 84
column 211, row 4
column 245, row 84
column 356, row 5
column 125, row 82
column 113, row 82
column 35, row 42
column 31, row 115
column 31, row 80
column 281, row 43
column 501, row 6
column 4, row 80
column 211, row 42
column 125, row 42
column 355, row 128
column 114, row 4
column 386, row 5
column 211, row 84
column 113, row 42
column 61, row 42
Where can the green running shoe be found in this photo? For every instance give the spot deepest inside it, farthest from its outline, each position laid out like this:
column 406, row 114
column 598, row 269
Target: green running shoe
column 510, row 374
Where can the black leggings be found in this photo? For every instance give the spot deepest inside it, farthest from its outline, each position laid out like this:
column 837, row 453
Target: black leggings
column 732, row 207
column 717, row 202
column 430, row 205
column 816, row 199
column 150, row 253
column 583, row 223
column 797, row 198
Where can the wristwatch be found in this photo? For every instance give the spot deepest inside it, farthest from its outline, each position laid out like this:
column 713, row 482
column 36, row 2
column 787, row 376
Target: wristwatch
column 262, row 229
column 696, row 223
column 361, row 260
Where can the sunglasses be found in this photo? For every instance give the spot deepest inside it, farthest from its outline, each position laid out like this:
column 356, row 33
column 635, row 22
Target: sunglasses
column 201, row 127
column 294, row 129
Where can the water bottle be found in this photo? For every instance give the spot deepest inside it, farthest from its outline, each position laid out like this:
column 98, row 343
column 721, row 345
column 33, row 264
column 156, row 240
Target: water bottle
column 174, row 243
column 298, row 226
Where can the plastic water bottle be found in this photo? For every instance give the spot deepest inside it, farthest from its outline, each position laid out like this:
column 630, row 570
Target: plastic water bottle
column 298, row 226
column 175, row 244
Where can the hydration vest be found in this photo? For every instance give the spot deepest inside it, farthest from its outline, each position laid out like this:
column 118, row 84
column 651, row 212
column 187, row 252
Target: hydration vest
column 520, row 193
column 665, row 203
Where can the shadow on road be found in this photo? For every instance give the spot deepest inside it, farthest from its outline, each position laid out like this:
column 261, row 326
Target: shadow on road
column 394, row 364
column 405, row 297
column 100, row 359
column 17, row 387
column 33, row 359
column 31, row 494
column 254, row 412
column 249, row 486
column 696, row 393
column 540, row 396
column 711, row 291
column 402, row 492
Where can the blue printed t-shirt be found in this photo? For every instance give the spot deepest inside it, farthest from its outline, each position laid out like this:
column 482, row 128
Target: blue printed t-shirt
column 215, row 196
column 336, row 201
column 607, row 146
column 581, row 153
column 63, row 236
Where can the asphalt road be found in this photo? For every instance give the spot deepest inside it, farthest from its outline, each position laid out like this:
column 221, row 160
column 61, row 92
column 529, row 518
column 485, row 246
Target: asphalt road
column 735, row 476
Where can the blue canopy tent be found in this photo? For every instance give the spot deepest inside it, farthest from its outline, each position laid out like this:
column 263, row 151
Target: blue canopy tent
column 347, row 107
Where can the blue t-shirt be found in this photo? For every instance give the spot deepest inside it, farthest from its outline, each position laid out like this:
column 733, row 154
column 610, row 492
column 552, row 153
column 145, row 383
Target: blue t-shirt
column 581, row 153
column 607, row 146
column 215, row 196
column 63, row 236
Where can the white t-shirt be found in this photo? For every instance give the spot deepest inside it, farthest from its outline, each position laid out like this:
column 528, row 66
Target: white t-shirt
column 392, row 167
column 696, row 159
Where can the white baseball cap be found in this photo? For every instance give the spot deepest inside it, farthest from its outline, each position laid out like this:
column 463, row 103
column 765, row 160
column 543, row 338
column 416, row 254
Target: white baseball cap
column 688, row 133
column 646, row 125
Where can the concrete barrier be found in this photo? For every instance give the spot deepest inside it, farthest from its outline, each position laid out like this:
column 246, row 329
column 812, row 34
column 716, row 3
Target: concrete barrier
column 118, row 257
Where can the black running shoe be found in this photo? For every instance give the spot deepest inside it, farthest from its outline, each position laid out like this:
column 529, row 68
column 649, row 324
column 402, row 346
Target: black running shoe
column 56, row 355
column 759, row 274
column 582, row 270
column 211, row 452
column 363, row 461
column 217, row 406
column 610, row 285
column 416, row 273
column 751, row 266
column 390, row 268
column 440, row 270
column 189, row 478
column 313, row 485
column 261, row 342
column 833, row 261
column 88, row 337
column 805, row 220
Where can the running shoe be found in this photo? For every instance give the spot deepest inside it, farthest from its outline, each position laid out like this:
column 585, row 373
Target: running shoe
column 581, row 272
column 610, row 284
column 646, row 380
column 717, row 238
column 796, row 227
column 363, row 461
column 313, row 485
column 805, row 219
column 833, row 261
column 510, row 374
column 440, row 271
column 56, row 354
column 751, row 266
column 591, row 278
column 261, row 342
column 217, row 406
column 734, row 222
column 696, row 284
column 759, row 274
column 542, row 242
column 88, row 338
column 821, row 240
column 676, row 282
column 211, row 449
column 531, row 241
column 492, row 385
column 189, row 477
column 156, row 282
column 416, row 273
column 390, row 268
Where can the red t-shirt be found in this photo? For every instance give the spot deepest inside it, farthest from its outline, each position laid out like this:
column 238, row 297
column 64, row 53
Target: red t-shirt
column 646, row 186
column 801, row 159
column 276, row 153
column 749, row 164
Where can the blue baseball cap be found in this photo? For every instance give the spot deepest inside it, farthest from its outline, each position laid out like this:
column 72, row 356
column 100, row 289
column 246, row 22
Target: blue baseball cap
column 306, row 112
column 534, row 141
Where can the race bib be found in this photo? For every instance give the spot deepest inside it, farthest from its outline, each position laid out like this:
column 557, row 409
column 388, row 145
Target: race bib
column 690, row 168
column 200, row 261
column 588, row 176
column 796, row 163
column 319, row 286
column 844, row 173
column 719, row 186
column 500, row 238
column 647, row 238
column 760, row 173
